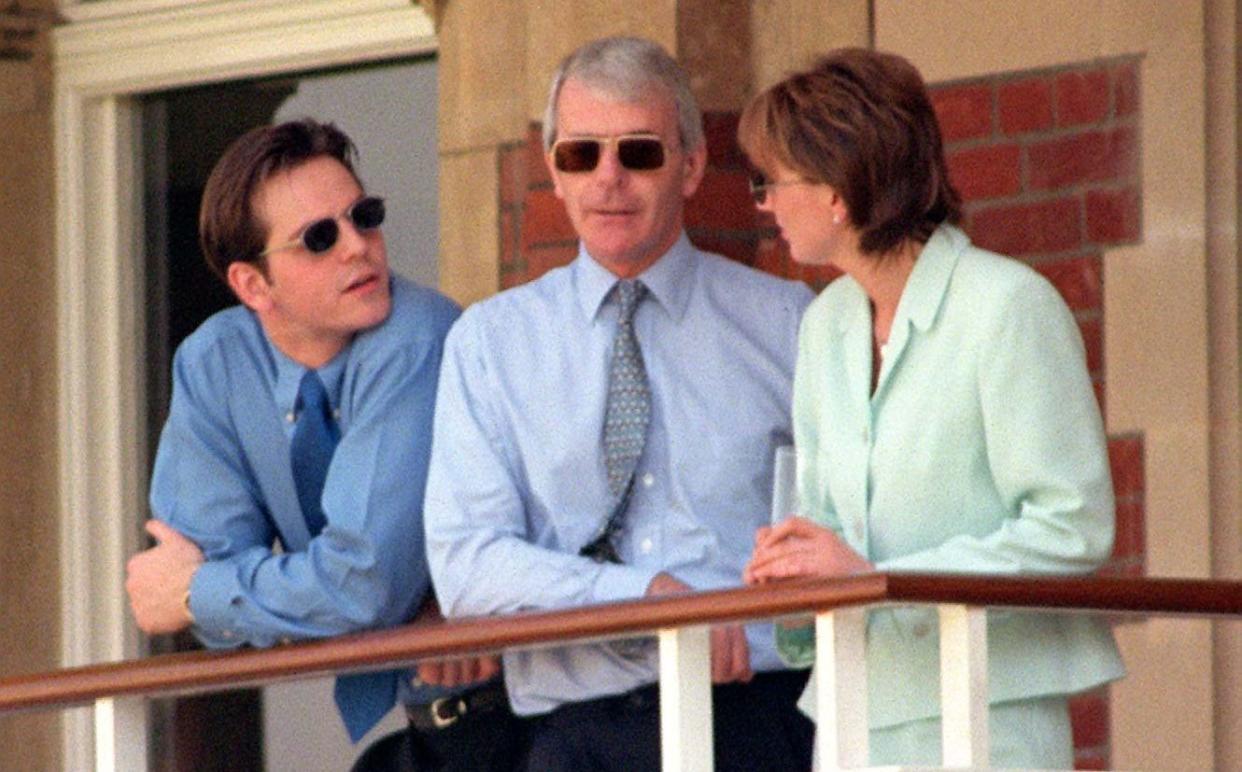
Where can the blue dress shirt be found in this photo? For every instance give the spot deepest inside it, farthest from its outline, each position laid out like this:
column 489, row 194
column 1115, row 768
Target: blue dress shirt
column 222, row 477
column 518, row 484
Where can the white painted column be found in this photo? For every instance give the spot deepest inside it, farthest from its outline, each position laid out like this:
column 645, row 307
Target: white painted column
column 686, row 699
column 841, row 733
column 964, row 686
column 121, row 735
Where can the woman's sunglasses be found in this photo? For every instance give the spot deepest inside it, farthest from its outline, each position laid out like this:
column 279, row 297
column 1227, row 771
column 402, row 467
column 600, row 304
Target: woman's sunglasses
column 759, row 186
column 366, row 214
column 636, row 152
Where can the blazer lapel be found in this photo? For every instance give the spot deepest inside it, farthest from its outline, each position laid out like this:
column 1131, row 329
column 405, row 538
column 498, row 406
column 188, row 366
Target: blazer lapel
column 854, row 327
column 922, row 298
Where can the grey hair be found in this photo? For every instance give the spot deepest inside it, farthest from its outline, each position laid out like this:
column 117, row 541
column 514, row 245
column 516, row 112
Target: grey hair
column 625, row 68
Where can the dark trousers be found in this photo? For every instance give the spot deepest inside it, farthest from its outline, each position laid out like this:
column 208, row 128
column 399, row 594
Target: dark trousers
column 488, row 742
column 757, row 727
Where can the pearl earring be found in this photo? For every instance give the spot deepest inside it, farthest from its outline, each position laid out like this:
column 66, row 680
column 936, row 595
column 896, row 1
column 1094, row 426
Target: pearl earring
column 836, row 218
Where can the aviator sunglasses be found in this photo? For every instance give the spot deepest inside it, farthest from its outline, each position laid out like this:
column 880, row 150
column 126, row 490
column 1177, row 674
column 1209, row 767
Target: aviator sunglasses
column 636, row 152
column 366, row 214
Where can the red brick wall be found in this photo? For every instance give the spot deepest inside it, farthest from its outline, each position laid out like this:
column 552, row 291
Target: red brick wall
column 1047, row 165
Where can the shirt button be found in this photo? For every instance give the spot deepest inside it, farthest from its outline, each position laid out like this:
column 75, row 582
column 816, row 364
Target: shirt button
column 866, row 435
column 648, row 480
column 921, row 630
column 291, row 416
column 646, row 546
column 858, row 532
column 227, row 635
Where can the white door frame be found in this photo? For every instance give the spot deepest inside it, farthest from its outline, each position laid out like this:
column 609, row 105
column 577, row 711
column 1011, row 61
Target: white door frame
column 107, row 54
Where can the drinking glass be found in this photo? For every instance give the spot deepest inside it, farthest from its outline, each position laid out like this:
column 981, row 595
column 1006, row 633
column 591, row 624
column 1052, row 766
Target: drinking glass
column 795, row 639
column 784, row 484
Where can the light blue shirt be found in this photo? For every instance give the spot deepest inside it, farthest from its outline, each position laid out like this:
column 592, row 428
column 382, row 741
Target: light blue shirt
column 517, row 482
column 222, row 477
column 981, row 450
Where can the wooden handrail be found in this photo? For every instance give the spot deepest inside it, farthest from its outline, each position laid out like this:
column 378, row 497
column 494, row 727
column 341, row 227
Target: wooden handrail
column 203, row 671
column 1192, row 597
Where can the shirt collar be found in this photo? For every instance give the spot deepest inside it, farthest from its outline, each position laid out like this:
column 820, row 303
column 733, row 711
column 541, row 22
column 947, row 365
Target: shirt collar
column 669, row 280
column 289, row 377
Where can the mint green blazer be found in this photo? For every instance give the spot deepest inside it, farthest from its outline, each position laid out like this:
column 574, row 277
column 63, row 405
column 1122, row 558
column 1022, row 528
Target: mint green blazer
column 981, row 451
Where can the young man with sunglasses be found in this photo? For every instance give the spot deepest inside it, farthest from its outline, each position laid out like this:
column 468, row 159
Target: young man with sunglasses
column 303, row 417
column 607, row 432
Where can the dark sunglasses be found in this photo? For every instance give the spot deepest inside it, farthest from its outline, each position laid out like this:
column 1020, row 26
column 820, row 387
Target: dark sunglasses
column 636, row 152
column 759, row 186
column 366, row 214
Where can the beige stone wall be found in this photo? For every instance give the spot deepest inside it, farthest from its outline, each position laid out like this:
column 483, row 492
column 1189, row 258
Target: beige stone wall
column 789, row 34
column 1223, row 24
column 1165, row 714
column 29, row 598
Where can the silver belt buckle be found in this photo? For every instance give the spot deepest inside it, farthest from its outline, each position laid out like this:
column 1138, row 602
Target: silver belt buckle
column 439, row 719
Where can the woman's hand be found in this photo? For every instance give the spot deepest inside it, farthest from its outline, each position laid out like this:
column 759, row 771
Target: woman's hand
column 799, row 548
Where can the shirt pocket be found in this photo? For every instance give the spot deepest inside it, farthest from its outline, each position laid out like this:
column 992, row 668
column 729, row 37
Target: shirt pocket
column 725, row 497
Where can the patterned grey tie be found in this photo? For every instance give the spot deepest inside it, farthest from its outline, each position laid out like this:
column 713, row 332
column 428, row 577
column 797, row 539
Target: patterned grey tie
column 629, row 399
column 626, row 416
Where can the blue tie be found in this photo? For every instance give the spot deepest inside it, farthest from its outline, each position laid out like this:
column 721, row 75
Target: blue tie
column 314, row 442
column 363, row 699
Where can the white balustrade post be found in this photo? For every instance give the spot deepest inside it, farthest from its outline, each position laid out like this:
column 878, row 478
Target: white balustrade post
column 964, row 685
column 841, row 737
column 121, row 734
column 686, row 699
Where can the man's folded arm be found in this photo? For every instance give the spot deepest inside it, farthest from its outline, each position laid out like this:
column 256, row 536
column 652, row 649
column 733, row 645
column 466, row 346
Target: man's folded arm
column 361, row 572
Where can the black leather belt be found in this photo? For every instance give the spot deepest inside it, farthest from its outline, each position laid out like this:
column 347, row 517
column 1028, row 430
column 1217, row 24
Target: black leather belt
column 446, row 711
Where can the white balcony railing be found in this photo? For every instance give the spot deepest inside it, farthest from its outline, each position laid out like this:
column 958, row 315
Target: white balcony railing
column 118, row 690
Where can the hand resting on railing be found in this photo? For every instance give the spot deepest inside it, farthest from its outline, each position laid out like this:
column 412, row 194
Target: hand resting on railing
column 797, row 547
column 452, row 672
column 730, row 652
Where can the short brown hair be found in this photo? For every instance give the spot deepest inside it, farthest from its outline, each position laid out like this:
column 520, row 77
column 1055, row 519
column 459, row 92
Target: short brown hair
column 229, row 229
column 860, row 121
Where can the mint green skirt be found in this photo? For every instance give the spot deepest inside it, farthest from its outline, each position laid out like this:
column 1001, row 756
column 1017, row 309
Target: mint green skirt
column 1028, row 734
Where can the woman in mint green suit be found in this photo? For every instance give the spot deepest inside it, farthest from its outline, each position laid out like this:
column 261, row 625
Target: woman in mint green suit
column 943, row 413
